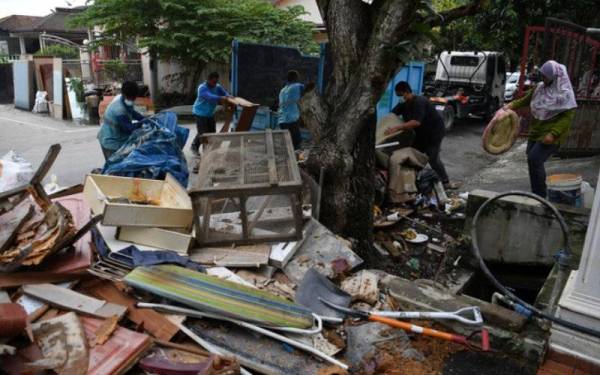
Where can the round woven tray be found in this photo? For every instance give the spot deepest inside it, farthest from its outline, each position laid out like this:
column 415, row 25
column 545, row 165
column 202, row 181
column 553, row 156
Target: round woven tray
column 501, row 133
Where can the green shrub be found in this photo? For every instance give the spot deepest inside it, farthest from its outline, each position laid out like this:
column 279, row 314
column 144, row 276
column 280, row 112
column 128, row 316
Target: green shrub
column 59, row 50
column 116, row 70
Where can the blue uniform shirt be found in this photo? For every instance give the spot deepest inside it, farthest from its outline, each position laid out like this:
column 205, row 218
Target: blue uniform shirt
column 207, row 100
column 289, row 96
column 117, row 124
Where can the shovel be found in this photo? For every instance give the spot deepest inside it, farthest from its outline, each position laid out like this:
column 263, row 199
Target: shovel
column 467, row 315
column 459, row 339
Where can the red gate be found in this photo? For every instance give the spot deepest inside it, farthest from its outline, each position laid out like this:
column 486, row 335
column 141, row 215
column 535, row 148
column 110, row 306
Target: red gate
column 578, row 49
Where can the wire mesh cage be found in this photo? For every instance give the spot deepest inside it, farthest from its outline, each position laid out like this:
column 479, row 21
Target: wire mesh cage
column 248, row 189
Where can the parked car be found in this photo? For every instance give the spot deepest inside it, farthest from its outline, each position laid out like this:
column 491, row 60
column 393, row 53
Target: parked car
column 512, row 85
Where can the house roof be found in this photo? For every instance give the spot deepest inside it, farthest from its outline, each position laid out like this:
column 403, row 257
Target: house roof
column 56, row 22
column 17, row 21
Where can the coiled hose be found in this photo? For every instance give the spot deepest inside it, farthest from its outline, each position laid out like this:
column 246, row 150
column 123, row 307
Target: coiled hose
column 486, row 271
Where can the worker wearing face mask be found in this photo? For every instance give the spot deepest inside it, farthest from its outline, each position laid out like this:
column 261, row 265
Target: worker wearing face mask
column 118, row 123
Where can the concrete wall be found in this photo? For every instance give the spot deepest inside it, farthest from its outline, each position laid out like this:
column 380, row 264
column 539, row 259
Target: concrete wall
column 167, row 71
column 521, row 230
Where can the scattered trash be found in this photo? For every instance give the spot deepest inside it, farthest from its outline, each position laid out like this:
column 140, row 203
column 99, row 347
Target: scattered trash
column 15, row 171
column 413, row 263
column 362, row 287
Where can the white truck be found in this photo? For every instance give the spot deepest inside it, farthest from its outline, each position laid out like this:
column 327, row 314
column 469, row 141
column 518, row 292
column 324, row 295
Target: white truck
column 467, row 83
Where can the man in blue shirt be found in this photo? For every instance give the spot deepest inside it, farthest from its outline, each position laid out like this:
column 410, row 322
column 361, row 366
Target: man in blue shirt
column 210, row 93
column 118, row 123
column 289, row 111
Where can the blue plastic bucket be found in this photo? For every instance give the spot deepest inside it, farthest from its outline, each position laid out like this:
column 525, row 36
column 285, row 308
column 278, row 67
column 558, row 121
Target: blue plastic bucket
column 565, row 189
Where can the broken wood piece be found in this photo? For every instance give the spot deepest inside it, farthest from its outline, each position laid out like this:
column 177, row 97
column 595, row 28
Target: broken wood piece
column 13, row 319
column 105, row 330
column 153, row 322
column 71, row 300
column 118, row 354
column 12, row 221
column 186, row 348
column 63, row 344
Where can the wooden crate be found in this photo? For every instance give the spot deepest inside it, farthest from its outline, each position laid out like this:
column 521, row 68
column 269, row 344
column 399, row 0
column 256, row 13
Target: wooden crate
column 170, row 206
column 248, row 189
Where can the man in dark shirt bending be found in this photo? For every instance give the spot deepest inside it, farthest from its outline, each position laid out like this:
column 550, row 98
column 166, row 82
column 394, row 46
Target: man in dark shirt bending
column 420, row 115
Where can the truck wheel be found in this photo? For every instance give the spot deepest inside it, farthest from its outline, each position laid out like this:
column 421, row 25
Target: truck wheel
column 448, row 115
column 492, row 108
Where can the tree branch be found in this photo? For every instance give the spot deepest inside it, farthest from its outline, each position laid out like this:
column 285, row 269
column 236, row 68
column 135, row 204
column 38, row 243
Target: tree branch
column 459, row 12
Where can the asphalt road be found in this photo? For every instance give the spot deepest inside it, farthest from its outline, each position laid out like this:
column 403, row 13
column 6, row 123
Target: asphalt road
column 31, row 134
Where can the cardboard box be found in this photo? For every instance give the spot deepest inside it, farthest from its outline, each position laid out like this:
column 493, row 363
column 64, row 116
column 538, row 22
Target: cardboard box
column 126, row 201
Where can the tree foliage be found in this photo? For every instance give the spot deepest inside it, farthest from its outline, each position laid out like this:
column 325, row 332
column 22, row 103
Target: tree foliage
column 197, row 31
column 502, row 25
column 59, row 50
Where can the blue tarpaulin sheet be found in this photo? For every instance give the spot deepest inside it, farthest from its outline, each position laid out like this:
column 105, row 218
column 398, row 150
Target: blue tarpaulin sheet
column 152, row 151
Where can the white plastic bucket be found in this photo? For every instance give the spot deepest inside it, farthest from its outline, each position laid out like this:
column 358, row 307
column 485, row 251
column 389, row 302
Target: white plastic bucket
column 565, row 189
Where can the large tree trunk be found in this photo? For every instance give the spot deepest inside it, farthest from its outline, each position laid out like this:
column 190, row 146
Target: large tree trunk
column 362, row 39
column 368, row 42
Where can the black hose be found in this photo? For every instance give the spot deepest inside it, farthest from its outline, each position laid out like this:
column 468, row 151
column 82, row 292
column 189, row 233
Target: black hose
column 502, row 288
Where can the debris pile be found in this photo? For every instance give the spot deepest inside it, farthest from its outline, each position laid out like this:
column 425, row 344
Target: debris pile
column 131, row 288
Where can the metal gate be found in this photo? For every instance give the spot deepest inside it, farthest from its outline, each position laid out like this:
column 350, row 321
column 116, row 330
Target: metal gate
column 578, row 49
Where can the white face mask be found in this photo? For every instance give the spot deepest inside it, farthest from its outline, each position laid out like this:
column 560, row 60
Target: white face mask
column 129, row 102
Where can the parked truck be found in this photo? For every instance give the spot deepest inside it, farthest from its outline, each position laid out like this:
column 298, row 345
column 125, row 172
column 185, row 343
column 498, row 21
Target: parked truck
column 467, row 83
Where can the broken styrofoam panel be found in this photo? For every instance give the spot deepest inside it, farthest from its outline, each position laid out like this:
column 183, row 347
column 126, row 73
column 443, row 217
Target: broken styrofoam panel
column 362, row 286
column 282, row 252
column 319, row 249
column 63, row 344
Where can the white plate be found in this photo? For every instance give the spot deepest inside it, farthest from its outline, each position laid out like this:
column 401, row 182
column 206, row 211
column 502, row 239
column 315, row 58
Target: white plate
column 421, row 238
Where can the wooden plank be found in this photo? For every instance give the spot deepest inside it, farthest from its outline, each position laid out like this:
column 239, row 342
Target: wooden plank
column 259, row 212
column 250, row 189
column 153, row 322
column 242, row 175
column 292, row 163
column 273, row 180
column 241, row 256
column 297, row 210
column 244, row 217
column 71, row 300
